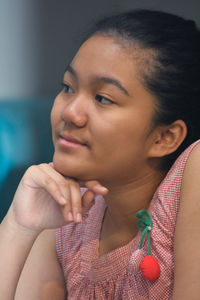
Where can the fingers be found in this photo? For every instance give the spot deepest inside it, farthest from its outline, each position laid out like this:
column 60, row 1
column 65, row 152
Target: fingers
column 94, row 186
column 67, row 192
column 88, row 201
column 36, row 178
column 70, row 189
column 76, row 202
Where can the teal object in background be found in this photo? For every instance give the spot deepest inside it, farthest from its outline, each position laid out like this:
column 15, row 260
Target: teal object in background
column 16, row 140
column 25, row 139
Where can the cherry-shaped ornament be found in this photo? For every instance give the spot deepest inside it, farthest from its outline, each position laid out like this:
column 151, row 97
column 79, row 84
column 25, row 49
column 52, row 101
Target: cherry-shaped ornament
column 149, row 266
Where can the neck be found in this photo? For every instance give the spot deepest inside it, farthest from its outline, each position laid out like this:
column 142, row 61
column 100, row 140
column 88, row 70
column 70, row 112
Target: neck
column 124, row 201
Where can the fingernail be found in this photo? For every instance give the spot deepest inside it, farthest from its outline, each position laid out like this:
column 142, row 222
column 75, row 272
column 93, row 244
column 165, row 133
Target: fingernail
column 70, row 217
column 78, row 217
column 62, row 199
column 102, row 188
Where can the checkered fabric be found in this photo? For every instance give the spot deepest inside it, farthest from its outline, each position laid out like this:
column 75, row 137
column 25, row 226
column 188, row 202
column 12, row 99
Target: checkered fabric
column 116, row 275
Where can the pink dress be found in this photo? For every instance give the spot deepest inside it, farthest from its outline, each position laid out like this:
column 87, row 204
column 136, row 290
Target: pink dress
column 117, row 275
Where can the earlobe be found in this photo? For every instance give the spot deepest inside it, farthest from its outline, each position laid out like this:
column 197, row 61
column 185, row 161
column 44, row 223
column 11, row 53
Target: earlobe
column 168, row 138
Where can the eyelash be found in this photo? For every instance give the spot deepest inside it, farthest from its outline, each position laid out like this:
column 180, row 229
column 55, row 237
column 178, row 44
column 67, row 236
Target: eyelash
column 97, row 97
column 66, row 86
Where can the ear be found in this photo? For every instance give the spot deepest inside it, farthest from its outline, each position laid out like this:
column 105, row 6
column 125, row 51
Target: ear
column 168, row 138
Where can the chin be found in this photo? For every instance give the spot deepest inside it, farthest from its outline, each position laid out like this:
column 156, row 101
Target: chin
column 70, row 169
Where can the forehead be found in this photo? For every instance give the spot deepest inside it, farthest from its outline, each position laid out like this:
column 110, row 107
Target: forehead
column 101, row 61
column 106, row 48
column 107, row 54
column 104, row 56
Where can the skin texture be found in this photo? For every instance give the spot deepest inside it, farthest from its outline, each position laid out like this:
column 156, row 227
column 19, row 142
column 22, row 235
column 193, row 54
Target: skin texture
column 116, row 133
column 105, row 107
column 123, row 149
column 187, row 241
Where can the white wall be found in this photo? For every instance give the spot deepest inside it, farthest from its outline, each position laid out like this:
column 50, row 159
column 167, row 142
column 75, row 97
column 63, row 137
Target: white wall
column 19, row 52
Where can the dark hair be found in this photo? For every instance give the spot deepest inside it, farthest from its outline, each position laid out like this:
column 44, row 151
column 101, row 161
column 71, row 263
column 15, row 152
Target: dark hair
column 174, row 71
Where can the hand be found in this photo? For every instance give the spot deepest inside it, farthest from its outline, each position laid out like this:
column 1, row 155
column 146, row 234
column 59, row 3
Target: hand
column 45, row 199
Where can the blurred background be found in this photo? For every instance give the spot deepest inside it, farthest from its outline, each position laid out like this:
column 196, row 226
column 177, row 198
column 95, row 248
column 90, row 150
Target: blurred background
column 38, row 38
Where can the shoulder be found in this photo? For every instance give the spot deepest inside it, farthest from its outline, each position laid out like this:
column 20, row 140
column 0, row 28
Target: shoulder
column 168, row 197
column 190, row 190
column 186, row 165
column 193, row 162
column 187, row 232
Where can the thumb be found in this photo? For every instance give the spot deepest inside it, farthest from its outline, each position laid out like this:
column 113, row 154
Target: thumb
column 87, row 201
column 94, row 186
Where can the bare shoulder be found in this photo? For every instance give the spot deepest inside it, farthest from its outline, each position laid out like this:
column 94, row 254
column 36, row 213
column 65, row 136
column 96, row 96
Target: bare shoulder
column 187, row 234
column 193, row 162
column 42, row 277
column 190, row 191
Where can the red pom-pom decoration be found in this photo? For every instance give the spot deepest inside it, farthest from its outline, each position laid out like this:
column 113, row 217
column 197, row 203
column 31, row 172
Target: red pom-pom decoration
column 150, row 268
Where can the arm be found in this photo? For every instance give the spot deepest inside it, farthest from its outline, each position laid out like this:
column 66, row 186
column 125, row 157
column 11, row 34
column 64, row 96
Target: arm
column 42, row 274
column 38, row 205
column 187, row 234
column 15, row 245
column 41, row 278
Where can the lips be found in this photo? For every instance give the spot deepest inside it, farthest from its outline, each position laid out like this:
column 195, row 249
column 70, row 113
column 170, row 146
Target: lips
column 65, row 137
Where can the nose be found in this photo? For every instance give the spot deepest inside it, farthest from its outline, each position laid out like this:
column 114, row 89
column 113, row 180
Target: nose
column 76, row 111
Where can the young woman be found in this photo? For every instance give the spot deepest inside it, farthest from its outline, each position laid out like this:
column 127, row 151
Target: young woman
column 128, row 108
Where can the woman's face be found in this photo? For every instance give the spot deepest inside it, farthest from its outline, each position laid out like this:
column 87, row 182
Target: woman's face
column 101, row 120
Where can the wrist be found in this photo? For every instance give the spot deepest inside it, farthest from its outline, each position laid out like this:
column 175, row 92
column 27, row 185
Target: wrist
column 12, row 228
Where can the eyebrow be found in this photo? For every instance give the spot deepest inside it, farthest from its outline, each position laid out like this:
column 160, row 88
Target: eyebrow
column 104, row 79
column 71, row 71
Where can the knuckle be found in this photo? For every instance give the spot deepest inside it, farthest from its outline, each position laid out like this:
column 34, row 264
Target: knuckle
column 43, row 166
column 32, row 169
column 64, row 184
column 76, row 206
column 50, row 182
column 72, row 182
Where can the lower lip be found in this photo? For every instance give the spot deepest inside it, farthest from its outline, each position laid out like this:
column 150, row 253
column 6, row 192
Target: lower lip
column 69, row 144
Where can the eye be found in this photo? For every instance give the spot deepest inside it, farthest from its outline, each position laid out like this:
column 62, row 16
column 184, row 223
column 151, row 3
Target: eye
column 67, row 88
column 103, row 100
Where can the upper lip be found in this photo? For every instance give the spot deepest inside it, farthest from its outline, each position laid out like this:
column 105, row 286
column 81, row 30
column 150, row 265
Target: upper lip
column 71, row 138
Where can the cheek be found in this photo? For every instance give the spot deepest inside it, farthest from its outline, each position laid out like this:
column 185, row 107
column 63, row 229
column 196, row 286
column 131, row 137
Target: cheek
column 110, row 139
column 121, row 127
column 54, row 118
column 55, row 113
column 121, row 137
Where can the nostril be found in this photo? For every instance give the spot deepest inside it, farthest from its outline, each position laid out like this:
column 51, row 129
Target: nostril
column 74, row 114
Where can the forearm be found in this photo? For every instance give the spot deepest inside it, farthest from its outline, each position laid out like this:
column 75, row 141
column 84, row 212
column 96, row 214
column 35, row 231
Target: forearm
column 15, row 245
